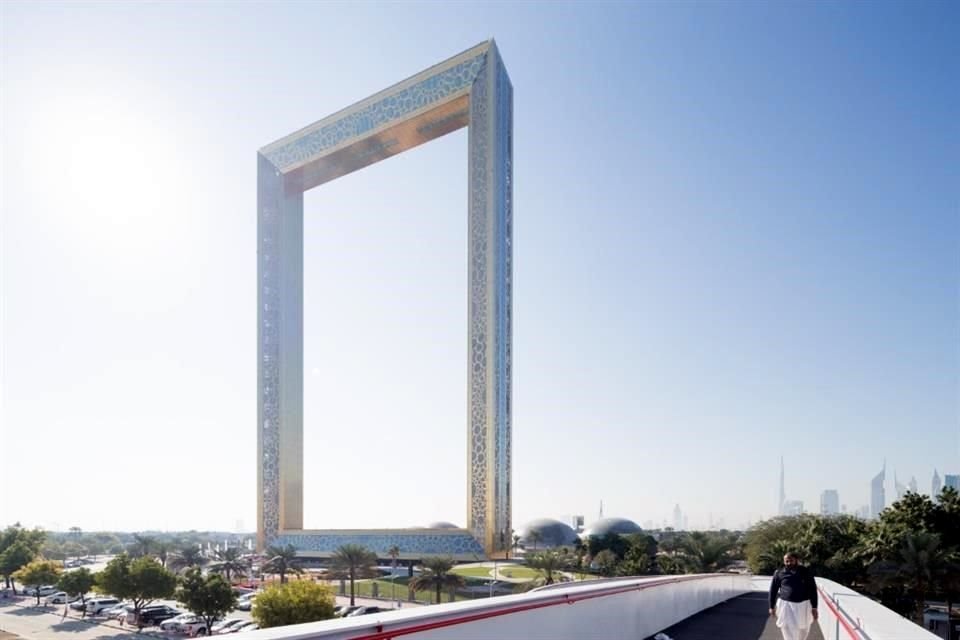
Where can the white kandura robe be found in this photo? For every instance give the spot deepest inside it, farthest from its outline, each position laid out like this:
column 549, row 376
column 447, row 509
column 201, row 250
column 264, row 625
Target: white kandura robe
column 794, row 619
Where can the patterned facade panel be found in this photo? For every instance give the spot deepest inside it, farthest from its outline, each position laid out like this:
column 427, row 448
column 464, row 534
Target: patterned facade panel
column 363, row 121
column 412, row 543
column 503, row 175
column 269, row 204
column 478, row 220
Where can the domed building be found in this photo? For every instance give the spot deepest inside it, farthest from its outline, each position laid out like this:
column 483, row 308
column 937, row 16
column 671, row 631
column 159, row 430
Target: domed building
column 604, row 526
column 549, row 533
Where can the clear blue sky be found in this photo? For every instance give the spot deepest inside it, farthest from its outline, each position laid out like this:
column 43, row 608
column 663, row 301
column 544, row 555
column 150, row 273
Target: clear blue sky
column 737, row 236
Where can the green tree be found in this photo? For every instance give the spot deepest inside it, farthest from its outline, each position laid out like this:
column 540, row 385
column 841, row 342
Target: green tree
column 18, row 546
column 13, row 558
column 547, row 563
column 293, row 603
column 141, row 546
column 282, row 560
column 606, row 562
column 77, row 583
column 614, row 542
column 533, row 537
column 394, row 553
column 185, row 557
column 353, row 561
column 141, row 581
column 39, row 572
column 229, row 563
column 921, row 567
column 208, row 597
column 436, row 575
column 707, row 552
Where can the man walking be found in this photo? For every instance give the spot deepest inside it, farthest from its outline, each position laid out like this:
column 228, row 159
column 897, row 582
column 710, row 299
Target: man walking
column 793, row 598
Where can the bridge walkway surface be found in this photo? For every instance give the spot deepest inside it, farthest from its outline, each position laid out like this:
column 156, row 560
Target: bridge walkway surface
column 742, row 618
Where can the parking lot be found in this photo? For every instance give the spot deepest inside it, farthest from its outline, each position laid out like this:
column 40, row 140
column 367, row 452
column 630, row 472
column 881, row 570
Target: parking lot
column 21, row 617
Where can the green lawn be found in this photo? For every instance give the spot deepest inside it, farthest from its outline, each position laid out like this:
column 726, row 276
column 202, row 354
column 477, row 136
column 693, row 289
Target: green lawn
column 476, row 572
column 517, row 572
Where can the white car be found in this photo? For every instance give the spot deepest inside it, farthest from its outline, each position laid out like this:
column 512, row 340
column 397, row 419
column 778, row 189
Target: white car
column 46, row 590
column 173, row 624
column 98, row 605
column 194, row 627
column 60, row 597
column 226, row 626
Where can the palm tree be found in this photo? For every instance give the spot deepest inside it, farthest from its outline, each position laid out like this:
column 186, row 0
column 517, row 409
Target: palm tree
column 921, row 567
column 162, row 552
column 141, row 546
column 516, row 543
column 282, row 560
column 547, row 563
column 394, row 553
column 772, row 558
column 353, row 561
column 436, row 575
column 707, row 552
column 228, row 561
column 534, row 536
column 186, row 557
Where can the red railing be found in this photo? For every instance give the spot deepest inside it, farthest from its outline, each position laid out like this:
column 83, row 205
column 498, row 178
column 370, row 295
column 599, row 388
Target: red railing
column 381, row 634
column 840, row 615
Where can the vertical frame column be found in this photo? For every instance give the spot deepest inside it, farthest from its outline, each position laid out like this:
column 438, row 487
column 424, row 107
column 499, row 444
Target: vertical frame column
column 489, row 305
column 279, row 354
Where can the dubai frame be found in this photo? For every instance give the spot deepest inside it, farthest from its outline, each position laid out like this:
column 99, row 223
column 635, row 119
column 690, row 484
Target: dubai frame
column 473, row 89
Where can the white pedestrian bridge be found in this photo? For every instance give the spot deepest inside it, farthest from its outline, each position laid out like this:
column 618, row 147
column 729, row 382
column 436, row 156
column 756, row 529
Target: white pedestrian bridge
column 696, row 607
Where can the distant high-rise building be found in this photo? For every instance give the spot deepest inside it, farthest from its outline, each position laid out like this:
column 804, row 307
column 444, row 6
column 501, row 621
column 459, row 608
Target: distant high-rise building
column 793, row 507
column 783, row 494
column 878, row 497
column 829, row 503
column 951, row 480
column 898, row 486
column 864, row 511
column 913, row 484
column 935, row 485
column 677, row 518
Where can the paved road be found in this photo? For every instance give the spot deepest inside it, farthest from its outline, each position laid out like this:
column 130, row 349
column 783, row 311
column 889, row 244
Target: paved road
column 743, row 618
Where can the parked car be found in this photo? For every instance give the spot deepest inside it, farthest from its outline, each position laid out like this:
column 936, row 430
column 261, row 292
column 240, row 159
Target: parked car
column 248, row 626
column 60, row 597
column 45, row 590
column 195, row 627
column 345, row 610
column 78, row 605
column 364, row 610
column 117, row 611
column 245, row 603
column 97, row 605
column 173, row 624
column 225, row 626
column 152, row 615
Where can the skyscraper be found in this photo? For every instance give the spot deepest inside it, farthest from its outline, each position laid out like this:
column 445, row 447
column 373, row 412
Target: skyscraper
column 783, row 495
column 878, row 498
column 898, row 486
column 913, row 484
column 829, row 502
column 677, row 518
column 951, row 480
column 935, row 485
